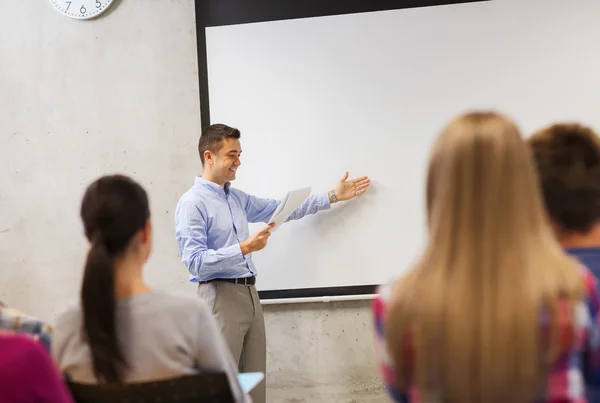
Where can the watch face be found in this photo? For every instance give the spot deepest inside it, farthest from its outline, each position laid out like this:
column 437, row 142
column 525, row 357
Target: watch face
column 81, row 9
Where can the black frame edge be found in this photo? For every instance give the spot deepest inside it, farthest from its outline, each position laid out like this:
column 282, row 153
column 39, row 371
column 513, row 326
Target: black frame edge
column 202, row 64
column 211, row 13
column 318, row 292
column 231, row 12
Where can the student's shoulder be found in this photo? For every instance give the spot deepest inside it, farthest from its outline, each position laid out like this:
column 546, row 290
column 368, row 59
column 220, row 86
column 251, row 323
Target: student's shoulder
column 71, row 313
column 381, row 300
column 67, row 326
column 12, row 318
column 385, row 293
column 590, row 281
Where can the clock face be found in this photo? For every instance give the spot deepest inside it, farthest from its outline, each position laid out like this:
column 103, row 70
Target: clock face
column 81, row 9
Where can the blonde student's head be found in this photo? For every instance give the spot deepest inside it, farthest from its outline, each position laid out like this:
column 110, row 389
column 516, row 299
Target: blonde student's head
column 471, row 306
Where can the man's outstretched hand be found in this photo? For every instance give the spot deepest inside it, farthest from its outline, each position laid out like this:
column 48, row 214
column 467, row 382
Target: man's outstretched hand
column 349, row 189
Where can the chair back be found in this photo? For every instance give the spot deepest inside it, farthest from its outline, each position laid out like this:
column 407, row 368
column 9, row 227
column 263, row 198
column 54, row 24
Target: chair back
column 211, row 387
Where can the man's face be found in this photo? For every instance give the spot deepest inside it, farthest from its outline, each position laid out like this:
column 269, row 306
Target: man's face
column 226, row 161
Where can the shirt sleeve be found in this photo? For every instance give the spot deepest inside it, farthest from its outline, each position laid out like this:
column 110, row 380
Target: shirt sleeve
column 386, row 365
column 12, row 319
column 46, row 382
column 592, row 341
column 261, row 210
column 192, row 237
column 213, row 353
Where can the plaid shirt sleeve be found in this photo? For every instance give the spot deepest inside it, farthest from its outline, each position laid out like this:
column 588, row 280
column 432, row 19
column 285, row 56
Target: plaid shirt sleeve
column 386, row 365
column 591, row 347
column 12, row 320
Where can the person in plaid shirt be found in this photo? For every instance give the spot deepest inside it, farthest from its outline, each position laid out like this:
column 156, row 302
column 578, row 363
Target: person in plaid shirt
column 493, row 310
column 12, row 320
column 567, row 157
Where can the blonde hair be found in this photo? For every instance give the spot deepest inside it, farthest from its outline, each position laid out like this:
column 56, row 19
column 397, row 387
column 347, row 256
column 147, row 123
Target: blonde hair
column 471, row 306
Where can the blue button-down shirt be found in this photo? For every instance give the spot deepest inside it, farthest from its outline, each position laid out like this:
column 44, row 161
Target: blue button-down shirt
column 212, row 220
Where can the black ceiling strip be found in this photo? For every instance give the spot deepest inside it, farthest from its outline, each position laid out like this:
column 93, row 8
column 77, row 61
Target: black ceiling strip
column 228, row 12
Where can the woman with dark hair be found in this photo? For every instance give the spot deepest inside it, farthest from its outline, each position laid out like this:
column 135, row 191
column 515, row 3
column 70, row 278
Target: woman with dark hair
column 122, row 331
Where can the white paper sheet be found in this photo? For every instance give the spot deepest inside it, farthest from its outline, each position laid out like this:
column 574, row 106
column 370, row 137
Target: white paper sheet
column 249, row 380
column 291, row 201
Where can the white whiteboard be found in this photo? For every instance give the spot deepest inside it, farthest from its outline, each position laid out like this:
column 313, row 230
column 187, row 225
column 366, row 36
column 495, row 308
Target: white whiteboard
column 368, row 93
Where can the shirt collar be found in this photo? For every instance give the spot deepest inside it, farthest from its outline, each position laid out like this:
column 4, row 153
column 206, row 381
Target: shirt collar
column 200, row 181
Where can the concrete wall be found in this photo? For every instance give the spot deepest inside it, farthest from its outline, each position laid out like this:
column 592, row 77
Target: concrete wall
column 321, row 352
column 120, row 94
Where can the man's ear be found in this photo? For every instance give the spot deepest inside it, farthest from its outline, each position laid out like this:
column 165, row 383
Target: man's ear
column 208, row 157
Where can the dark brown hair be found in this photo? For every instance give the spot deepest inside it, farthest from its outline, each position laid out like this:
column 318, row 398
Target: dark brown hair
column 113, row 210
column 212, row 137
column 567, row 156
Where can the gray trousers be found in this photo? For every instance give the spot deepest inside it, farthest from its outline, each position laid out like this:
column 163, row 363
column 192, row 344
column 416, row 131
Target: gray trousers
column 239, row 314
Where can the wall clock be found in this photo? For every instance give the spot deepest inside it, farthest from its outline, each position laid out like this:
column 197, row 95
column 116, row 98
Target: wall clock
column 82, row 9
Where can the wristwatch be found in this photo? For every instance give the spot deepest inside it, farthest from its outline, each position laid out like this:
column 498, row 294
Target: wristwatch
column 332, row 197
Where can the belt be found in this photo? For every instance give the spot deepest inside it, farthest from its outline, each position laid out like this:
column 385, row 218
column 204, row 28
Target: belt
column 241, row 280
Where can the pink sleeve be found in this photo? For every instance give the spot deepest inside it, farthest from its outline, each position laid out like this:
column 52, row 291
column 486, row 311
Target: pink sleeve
column 46, row 383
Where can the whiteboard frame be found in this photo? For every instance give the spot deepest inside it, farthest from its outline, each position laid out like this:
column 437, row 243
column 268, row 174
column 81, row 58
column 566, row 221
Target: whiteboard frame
column 215, row 13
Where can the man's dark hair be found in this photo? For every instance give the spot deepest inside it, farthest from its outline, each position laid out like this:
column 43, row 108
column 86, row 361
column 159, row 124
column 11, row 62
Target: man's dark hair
column 567, row 156
column 212, row 137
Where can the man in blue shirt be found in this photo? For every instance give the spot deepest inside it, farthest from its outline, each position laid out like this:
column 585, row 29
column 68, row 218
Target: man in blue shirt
column 215, row 244
column 568, row 160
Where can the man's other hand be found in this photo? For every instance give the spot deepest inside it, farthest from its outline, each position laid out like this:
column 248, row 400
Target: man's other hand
column 257, row 241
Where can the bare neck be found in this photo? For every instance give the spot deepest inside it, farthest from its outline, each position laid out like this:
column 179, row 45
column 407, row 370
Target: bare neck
column 590, row 239
column 128, row 279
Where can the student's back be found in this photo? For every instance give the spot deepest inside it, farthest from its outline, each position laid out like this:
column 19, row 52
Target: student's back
column 121, row 330
column 493, row 311
column 163, row 335
column 567, row 156
column 567, row 378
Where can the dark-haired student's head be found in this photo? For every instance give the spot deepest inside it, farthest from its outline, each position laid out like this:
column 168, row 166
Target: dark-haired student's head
column 116, row 221
column 567, row 156
column 220, row 149
column 116, row 217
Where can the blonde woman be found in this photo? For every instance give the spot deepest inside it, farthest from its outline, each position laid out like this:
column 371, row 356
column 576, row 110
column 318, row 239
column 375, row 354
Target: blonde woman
column 493, row 311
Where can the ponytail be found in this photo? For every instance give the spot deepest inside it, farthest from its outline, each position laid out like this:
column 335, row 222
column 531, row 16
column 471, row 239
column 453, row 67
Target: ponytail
column 113, row 210
column 98, row 302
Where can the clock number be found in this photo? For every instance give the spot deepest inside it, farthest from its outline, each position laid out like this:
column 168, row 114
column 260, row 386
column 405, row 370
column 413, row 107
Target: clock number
column 82, row 10
column 98, row 4
column 68, row 5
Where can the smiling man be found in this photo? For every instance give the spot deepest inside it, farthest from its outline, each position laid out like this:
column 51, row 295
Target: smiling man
column 216, row 246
